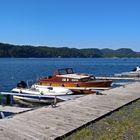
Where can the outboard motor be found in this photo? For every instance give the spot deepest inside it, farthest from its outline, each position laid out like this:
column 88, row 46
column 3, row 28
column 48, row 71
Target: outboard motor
column 22, row 84
column 135, row 69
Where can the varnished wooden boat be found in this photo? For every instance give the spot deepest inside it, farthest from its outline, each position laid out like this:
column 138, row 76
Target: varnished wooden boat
column 67, row 78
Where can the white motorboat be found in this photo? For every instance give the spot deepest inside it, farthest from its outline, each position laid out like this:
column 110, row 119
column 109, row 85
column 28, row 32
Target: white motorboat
column 134, row 73
column 47, row 93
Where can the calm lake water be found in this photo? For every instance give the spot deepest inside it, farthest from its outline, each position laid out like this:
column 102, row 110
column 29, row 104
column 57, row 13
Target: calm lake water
column 12, row 70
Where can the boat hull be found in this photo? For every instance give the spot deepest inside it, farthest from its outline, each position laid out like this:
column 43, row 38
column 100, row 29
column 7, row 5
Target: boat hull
column 41, row 94
column 34, row 100
column 90, row 84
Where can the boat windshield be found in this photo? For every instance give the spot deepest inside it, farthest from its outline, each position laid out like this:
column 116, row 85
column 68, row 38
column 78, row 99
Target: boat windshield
column 88, row 79
column 64, row 71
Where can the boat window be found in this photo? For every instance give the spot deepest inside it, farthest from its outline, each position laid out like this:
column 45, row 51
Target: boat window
column 69, row 71
column 93, row 77
column 63, row 79
column 66, row 71
column 74, row 80
column 63, row 71
column 50, row 88
column 85, row 79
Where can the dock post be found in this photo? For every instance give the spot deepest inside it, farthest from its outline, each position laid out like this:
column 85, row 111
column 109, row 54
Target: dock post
column 2, row 115
column 6, row 99
column 11, row 100
column 54, row 102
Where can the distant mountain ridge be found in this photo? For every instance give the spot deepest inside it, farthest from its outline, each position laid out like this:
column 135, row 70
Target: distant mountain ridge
column 22, row 51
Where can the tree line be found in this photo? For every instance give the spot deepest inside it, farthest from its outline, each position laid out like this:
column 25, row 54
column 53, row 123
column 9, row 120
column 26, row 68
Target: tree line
column 23, row 51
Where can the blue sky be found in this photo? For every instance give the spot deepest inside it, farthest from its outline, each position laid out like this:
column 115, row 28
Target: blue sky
column 71, row 23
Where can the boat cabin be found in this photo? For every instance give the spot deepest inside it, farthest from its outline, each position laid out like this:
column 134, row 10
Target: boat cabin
column 68, row 78
column 68, row 75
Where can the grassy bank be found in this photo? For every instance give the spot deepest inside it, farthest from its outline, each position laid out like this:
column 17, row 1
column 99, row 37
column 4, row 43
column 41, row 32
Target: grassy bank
column 120, row 125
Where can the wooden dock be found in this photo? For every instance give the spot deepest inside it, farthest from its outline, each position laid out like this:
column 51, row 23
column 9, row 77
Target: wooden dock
column 14, row 109
column 48, row 123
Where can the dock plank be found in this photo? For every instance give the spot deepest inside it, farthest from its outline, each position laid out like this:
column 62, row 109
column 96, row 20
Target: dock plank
column 47, row 123
column 14, row 109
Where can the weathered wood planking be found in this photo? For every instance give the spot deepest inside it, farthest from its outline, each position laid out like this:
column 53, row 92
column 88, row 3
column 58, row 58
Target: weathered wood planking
column 14, row 109
column 47, row 123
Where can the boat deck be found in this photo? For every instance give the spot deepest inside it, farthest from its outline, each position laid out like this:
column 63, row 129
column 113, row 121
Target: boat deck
column 49, row 123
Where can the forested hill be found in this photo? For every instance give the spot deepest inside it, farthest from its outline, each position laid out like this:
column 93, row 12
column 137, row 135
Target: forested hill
column 8, row 50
